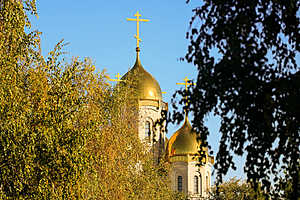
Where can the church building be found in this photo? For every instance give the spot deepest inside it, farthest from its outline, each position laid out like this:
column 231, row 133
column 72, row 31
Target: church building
column 151, row 106
column 182, row 153
column 182, row 148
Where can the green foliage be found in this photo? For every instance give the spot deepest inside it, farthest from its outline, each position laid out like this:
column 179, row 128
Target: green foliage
column 65, row 133
column 286, row 185
column 122, row 166
column 235, row 189
column 42, row 154
column 252, row 84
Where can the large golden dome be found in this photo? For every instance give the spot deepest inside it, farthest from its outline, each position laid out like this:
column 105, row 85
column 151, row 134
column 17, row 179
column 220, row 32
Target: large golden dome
column 148, row 87
column 183, row 141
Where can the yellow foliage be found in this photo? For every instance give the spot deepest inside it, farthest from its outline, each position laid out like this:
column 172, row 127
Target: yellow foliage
column 65, row 133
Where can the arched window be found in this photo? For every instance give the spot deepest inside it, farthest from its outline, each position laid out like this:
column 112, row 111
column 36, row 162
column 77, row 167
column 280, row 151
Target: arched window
column 147, row 130
column 200, row 180
column 207, row 183
column 160, row 138
column 179, row 183
column 196, row 184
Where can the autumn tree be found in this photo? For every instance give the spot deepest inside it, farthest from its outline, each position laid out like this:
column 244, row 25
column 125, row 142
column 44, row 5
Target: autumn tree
column 42, row 102
column 247, row 56
column 235, row 189
column 287, row 187
column 65, row 132
column 123, row 165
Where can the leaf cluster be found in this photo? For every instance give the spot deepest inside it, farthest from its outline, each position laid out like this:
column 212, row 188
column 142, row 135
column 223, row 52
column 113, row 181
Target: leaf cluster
column 236, row 189
column 246, row 55
column 65, row 132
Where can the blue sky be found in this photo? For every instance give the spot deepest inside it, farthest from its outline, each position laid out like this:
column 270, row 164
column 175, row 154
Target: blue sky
column 99, row 30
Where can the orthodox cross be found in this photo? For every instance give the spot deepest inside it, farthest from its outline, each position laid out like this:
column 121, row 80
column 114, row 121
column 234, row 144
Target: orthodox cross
column 186, row 83
column 118, row 78
column 137, row 36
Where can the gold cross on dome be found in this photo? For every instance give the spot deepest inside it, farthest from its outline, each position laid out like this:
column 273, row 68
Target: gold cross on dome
column 118, row 78
column 137, row 36
column 186, row 83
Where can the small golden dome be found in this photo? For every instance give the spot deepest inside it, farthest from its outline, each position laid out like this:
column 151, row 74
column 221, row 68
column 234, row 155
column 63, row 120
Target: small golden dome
column 183, row 141
column 148, row 87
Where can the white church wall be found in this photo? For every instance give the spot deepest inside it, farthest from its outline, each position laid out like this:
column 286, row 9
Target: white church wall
column 151, row 114
column 188, row 170
column 179, row 169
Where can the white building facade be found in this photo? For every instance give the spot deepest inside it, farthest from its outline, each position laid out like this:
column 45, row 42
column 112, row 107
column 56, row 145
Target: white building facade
column 181, row 149
column 186, row 176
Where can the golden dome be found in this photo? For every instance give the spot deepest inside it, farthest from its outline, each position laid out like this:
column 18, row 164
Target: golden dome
column 183, row 141
column 148, row 87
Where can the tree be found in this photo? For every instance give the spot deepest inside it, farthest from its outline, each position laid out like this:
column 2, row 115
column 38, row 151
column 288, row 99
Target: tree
column 235, row 189
column 287, row 187
column 252, row 83
column 122, row 166
column 65, row 133
column 42, row 102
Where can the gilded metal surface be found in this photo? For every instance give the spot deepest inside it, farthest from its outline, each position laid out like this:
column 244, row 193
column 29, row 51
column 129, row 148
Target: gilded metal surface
column 148, row 87
column 183, row 141
column 118, row 78
column 146, row 102
column 183, row 146
column 186, row 83
column 137, row 20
